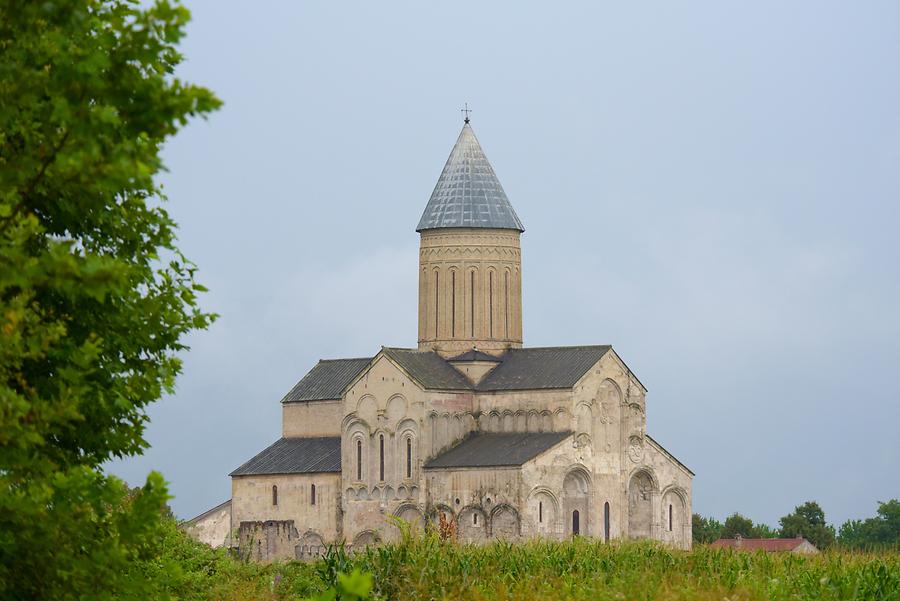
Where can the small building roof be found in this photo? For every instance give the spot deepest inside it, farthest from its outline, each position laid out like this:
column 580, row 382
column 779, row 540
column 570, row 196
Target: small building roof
column 468, row 193
column 326, row 381
column 770, row 545
column 547, row 367
column 497, row 449
column 475, row 355
column 429, row 369
column 295, row 456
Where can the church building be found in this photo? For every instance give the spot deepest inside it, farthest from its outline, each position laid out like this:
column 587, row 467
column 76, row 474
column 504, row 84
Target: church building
column 508, row 441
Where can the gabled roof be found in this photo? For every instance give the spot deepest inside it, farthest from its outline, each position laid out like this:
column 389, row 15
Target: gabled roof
column 666, row 452
column 475, row 355
column 326, row 381
column 468, row 193
column 428, row 369
column 759, row 544
column 206, row 513
column 497, row 450
column 547, row 367
column 295, row 456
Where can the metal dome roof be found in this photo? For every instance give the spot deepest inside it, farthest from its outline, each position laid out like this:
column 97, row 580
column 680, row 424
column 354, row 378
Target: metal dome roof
column 468, row 193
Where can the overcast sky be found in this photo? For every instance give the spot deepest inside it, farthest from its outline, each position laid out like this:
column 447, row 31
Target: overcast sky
column 710, row 187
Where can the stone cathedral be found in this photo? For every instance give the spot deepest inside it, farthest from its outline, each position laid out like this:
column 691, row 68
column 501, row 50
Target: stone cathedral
column 506, row 440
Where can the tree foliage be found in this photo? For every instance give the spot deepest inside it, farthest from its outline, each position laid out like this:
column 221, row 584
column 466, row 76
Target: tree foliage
column 883, row 530
column 705, row 530
column 808, row 521
column 95, row 297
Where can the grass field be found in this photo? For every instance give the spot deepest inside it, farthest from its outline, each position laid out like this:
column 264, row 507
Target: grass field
column 425, row 568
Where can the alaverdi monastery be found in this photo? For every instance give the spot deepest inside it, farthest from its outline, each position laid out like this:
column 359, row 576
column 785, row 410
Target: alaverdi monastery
column 508, row 441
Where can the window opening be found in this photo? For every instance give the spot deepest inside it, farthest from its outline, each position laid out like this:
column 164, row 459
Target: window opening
column 312, row 494
column 409, row 458
column 359, row 459
column 491, row 303
column 606, row 521
column 381, row 457
column 274, row 495
column 453, row 304
column 472, row 302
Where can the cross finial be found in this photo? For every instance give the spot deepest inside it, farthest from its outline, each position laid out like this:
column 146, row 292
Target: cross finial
column 465, row 111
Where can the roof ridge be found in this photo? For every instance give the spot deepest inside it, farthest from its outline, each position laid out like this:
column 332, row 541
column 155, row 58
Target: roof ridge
column 346, row 359
column 565, row 346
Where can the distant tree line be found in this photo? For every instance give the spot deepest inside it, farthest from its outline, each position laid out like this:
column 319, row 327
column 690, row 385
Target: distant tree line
column 808, row 520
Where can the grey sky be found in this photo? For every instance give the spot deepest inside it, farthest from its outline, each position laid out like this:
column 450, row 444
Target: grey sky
column 711, row 187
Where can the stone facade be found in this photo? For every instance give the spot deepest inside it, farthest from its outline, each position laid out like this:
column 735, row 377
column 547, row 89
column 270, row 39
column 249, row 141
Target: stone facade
column 417, row 433
column 470, row 289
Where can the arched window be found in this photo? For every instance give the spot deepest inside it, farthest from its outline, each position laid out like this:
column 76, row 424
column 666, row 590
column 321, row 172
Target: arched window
column 453, row 304
column 312, row 494
column 576, row 526
column 381, row 457
column 358, row 459
column 506, row 302
column 541, row 512
column 409, row 457
column 490, row 304
column 472, row 302
column 437, row 300
column 274, row 495
column 606, row 521
column 670, row 518
column 475, row 518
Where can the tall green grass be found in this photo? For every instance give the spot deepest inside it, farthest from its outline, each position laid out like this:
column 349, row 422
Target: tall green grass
column 426, row 568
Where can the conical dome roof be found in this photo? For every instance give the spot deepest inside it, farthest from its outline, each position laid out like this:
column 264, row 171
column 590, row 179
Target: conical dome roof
column 468, row 193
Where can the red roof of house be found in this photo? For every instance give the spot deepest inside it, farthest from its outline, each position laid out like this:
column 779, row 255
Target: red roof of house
column 759, row 544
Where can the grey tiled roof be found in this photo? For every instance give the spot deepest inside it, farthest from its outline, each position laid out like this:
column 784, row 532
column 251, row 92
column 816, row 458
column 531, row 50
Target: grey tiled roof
column 547, row 367
column 429, row 369
column 295, row 456
column 468, row 193
column 326, row 380
column 497, row 450
column 475, row 355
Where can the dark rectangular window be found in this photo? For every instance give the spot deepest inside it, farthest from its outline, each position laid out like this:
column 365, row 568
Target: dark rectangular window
column 491, row 304
column 381, row 457
column 359, row 460
column 472, row 302
column 409, row 458
column 453, row 304
column 312, row 494
column 274, row 495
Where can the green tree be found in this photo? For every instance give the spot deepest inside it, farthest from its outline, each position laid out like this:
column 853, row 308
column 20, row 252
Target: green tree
column 808, row 521
column 737, row 524
column 705, row 530
column 95, row 297
column 883, row 530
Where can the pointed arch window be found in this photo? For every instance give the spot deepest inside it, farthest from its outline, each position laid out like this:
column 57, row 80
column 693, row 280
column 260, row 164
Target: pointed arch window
column 670, row 518
column 541, row 512
column 358, row 459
